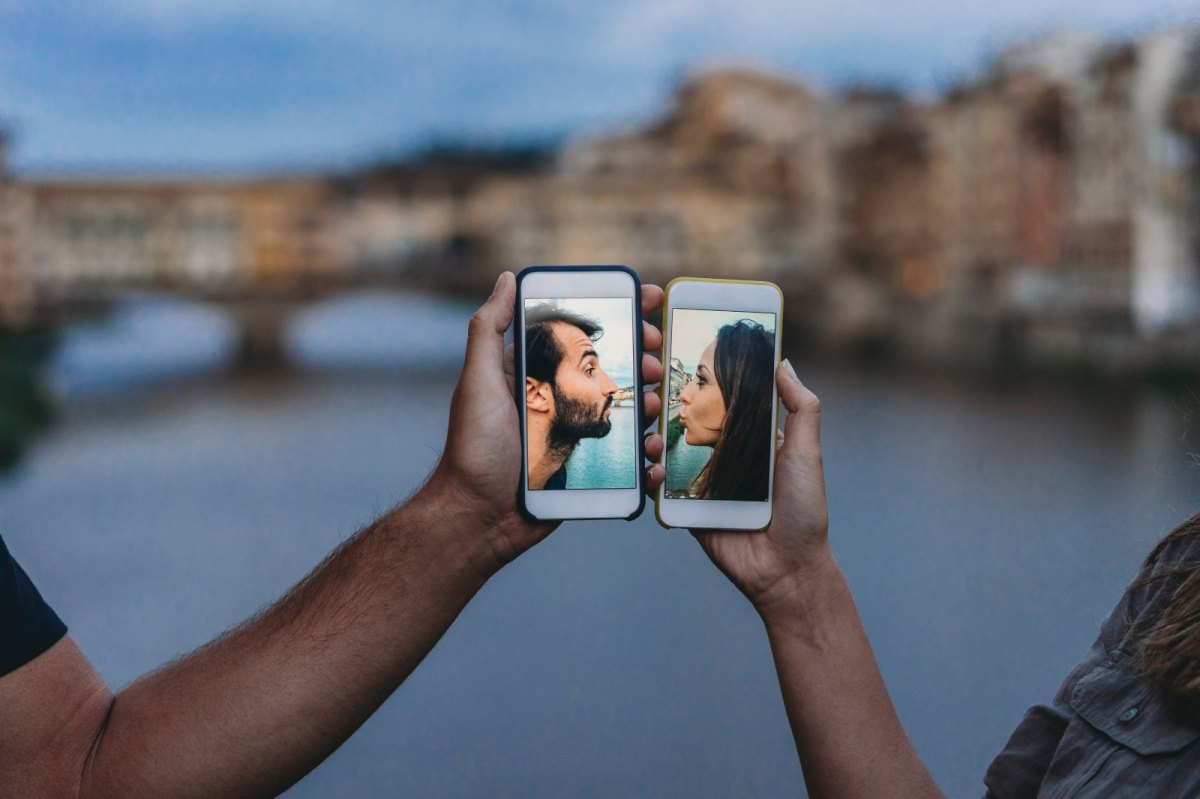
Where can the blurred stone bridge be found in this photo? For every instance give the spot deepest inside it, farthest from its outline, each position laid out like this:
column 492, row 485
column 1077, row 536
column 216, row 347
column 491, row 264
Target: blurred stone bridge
column 261, row 249
column 260, row 311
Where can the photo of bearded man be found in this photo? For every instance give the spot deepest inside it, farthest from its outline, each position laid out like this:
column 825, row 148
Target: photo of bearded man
column 569, row 397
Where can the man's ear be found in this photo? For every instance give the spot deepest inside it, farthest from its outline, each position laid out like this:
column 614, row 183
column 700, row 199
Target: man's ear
column 538, row 396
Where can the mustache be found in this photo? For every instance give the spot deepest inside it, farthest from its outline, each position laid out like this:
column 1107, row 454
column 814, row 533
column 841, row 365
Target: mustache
column 608, row 401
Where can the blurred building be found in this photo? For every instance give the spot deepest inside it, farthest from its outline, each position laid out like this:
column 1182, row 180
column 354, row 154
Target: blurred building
column 16, row 288
column 186, row 234
column 996, row 192
column 885, row 264
column 417, row 220
column 1064, row 200
column 1000, row 164
column 735, row 181
column 885, row 209
column 1047, row 209
column 1166, row 285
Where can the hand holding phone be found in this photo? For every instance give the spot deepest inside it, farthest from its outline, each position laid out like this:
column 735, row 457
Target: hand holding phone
column 775, row 567
column 579, row 390
column 719, row 414
column 481, row 465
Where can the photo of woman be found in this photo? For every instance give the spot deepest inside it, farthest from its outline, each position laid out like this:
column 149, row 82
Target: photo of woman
column 720, row 396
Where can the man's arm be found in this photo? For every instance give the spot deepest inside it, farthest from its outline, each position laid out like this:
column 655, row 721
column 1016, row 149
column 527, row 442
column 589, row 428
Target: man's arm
column 255, row 710
column 850, row 741
column 252, row 712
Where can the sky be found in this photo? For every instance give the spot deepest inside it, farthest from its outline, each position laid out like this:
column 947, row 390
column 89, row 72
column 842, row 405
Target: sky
column 615, row 347
column 220, row 85
column 693, row 330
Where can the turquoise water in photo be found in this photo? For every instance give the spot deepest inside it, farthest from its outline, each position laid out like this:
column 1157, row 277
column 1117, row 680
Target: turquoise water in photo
column 684, row 462
column 608, row 462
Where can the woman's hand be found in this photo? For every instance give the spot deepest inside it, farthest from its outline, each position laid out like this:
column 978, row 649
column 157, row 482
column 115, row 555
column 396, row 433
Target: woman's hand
column 771, row 566
column 847, row 734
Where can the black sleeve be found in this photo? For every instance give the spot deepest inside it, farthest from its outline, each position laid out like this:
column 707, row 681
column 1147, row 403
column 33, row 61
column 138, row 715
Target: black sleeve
column 28, row 627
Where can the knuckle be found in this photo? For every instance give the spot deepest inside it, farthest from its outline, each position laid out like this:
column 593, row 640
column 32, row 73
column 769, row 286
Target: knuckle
column 477, row 324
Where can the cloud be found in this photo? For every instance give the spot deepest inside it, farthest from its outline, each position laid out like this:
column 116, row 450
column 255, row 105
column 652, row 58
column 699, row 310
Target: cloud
column 832, row 41
column 176, row 15
column 258, row 82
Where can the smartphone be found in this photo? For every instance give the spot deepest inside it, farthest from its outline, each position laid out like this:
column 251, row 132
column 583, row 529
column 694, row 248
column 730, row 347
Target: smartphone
column 577, row 357
column 721, row 346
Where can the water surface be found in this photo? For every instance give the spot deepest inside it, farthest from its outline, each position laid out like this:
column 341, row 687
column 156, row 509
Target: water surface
column 985, row 530
column 608, row 462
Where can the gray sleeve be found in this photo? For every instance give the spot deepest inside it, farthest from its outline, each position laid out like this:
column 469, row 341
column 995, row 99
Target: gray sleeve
column 1021, row 766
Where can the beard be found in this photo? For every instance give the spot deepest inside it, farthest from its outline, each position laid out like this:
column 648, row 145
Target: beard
column 575, row 420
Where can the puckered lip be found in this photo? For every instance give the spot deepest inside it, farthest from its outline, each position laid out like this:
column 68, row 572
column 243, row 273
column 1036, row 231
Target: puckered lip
column 683, row 418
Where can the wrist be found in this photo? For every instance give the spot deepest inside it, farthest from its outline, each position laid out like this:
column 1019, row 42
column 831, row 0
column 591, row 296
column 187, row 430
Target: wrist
column 490, row 534
column 457, row 528
column 804, row 593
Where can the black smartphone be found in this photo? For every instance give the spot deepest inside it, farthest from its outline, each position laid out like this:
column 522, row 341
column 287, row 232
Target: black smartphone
column 578, row 347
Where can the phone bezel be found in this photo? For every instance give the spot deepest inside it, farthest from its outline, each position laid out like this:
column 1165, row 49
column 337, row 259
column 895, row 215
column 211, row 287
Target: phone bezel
column 581, row 282
column 718, row 295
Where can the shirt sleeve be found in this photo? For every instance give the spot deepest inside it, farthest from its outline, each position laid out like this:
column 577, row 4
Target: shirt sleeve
column 28, row 627
column 1021, row 767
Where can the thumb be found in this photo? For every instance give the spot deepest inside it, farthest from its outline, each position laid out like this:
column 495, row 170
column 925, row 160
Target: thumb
column 485, row 334
column 803, row 427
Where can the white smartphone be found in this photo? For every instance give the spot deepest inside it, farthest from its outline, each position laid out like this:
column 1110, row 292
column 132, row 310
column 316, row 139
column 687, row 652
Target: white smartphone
column 578, row 347
column 720, row 403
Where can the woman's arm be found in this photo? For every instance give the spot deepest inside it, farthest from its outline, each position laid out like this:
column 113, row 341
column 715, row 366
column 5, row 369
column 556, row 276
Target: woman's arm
column 849, row 739
column 847, row 734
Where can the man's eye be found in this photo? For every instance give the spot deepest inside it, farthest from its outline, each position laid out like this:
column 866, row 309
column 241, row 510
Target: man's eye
column 590, row 369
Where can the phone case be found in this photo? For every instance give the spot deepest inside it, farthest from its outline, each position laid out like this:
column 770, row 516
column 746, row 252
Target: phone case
column 639, row 385
column 665, row 386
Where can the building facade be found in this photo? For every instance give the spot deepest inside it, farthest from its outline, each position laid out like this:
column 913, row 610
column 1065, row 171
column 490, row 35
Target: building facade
column 1051, row 202
column 735, row 181
column 16, row 288
column 164, row 233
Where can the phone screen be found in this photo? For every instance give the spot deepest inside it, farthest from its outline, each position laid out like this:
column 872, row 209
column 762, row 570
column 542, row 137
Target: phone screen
column 580, row 401
column 720, row 405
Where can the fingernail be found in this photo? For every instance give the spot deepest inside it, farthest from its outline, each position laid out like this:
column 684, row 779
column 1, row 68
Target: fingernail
column 499, row 280
column 787, row 365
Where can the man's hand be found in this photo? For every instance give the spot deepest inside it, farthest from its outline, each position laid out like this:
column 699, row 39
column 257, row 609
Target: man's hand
column 481, row 465
column 770, row 566
column 255, row 710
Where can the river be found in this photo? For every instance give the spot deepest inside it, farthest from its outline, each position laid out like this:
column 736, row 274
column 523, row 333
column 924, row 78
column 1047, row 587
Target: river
column 985, row 529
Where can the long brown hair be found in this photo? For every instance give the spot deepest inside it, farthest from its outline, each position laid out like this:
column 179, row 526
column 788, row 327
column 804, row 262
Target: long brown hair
column 1169, row 638
column 744, row 367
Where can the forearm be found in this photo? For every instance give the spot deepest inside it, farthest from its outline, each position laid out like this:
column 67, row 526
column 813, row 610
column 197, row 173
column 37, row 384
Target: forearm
column 850, row 741
column 251, row 713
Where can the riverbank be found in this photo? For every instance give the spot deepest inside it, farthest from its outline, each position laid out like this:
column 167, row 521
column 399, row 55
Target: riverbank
column 25, row 409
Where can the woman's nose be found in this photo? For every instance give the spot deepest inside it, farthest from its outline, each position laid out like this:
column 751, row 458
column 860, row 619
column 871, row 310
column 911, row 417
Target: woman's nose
column 685, row 396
